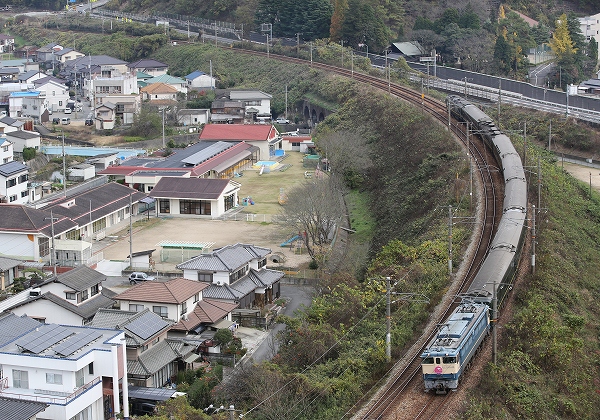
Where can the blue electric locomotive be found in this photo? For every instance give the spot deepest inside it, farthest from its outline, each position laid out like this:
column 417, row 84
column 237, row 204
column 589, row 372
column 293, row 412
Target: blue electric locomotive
column 447, row 355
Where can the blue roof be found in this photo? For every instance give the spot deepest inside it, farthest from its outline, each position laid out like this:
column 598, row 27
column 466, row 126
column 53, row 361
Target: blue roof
column 31, row 93
column 195, row 74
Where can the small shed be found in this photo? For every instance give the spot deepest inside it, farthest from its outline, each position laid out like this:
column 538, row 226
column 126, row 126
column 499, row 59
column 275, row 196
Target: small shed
column 81, row 172
column 142, row 259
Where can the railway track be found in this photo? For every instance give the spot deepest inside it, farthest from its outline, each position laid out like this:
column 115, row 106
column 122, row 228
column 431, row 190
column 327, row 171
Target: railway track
column 406, row 374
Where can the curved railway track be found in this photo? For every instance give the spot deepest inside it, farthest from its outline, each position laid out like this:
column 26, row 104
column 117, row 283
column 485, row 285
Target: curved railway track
column 490, row 210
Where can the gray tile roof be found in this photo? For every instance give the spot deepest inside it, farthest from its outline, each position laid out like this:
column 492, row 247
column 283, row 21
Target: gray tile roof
column 185, row 188
column 13, row 409
column 224, row 292
column 228, row 258
column 152, row 360
column 8, row 263
column 139, row 327
column 25, row 219
column 13, row 326
column 23, row 134
column 81, row 278
column 12, row 168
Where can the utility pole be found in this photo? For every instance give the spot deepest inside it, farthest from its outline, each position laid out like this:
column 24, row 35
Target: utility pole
column 494, row 324
column 286, row 103
column 342, row 41
column 298, row 44
column 388, row 320
column 130, row 230
column 52, row 262
column 450, row 240
column 533, row 242
column 64, row 165
column 163, row 127
column 499, row 99
column 550, row 135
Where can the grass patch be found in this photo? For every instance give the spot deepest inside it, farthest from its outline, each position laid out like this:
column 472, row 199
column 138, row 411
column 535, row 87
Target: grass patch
column 361, row 218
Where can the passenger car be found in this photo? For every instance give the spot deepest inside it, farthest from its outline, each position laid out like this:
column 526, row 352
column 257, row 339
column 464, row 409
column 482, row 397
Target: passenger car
column 282, row 121
column 137, row 277
column 55, row 120
column 68, row 110
column 65, row 121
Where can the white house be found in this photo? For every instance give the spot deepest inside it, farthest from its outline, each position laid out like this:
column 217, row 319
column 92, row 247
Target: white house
column 23, row 138
column 57, row 94
column 67, row 54
column 13, row 182
column 590, row 27
column 199, row 80
column 25, row 104
column 159, row 92
column 7, row 43
column 71, row 298
column 195, row 197
column 179, row 84
column 255, row 101
column 148, row 66
column 193, row 117
column 6, row 151
column 236, row 273
column 81, row 172
column 78, row 371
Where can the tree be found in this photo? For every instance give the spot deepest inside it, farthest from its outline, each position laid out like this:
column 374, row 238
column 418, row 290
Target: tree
column 314, row 210
column 593, row 50
column 561, row 43
column 28, row 153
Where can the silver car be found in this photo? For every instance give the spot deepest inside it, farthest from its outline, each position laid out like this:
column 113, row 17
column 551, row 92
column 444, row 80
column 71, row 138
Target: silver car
column 137, row 277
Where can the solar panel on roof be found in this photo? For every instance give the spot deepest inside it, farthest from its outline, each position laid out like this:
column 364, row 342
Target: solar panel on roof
column 76, row 342
column 206, row 153
column 146, row 325
column 45, row 337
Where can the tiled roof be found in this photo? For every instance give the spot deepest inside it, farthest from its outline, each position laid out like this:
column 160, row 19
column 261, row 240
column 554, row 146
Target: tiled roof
column 13, row 409
column 196, row 188
column 23, row 134
column 238, row 132
column 139, row 327
column 81, row 278
column 11, row 168
column 147, row 63
column 224, row 292
column 13, row 326
column 105, row 199
column 158, row 88
column 173, row 291
column 8, row 263
column 85, row 310
column 228, row 258
column 18, row 218
column 206, row 311
column 165, row 78
column 152, row 360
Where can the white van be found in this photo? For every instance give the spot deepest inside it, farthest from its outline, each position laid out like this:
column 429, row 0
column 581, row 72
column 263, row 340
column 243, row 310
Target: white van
column 65, row 121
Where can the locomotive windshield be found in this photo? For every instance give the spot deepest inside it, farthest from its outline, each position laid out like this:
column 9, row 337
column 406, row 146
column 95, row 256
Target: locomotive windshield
column 428, row 361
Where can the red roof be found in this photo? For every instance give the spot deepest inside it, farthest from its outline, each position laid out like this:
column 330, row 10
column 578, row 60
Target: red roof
column 238, row 132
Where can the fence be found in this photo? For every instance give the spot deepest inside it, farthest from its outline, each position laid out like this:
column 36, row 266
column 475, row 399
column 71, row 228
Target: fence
column 251, row 217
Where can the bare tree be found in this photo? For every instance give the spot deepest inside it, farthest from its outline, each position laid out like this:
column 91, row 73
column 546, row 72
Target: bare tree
column 314, row 210
column 348, row 153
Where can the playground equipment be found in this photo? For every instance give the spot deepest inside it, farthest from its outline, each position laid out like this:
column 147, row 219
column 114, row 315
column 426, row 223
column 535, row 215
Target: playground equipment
column 282, row 196
column 247, row 200
column 290, row 241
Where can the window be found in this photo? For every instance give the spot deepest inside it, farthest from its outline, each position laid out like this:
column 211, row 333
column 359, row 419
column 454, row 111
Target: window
column 449, row 360
column 13, row 198
column 205, row 277
column 165, row 206
column 5, row 148
column 136, row 308
column 11, row 182
column 23, row 178
column 428, row 361
column 83, row 296
column 54, row 378
column 262, row 263
column 44, row 246
column 183, row 307
column 23, row 194
column 196, row 297
column 122, row 214
column 161, row 310
column 91, row 368
column 59, row 103
column 99, row 225
column 95, row 290
column 194, row 207
column 5, row 160
column 70, row 295
column 20, row 379
column 229, row 202
column 79, row 378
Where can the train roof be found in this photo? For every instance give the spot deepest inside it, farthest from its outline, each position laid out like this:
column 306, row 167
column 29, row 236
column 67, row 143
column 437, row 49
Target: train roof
column 451, row 335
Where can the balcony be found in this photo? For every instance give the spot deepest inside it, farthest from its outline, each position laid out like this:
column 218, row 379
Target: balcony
column 46, row 396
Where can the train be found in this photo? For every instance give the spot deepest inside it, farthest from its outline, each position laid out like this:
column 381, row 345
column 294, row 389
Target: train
column 448, row 354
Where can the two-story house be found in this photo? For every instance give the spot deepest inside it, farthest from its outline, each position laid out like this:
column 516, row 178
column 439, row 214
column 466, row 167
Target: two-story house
column 6, row 150
column 13, row 182
column 80, row 372
column 159, row 93
column 7, row 43
column 198, row 80
column 152, row 359
column 67, row 54
column 256, row 103
column 22, row 139
column 27, row 104
column 71, row 298
column 56, row 93
column 149, row 66
column 176, row 82
column 236, row 273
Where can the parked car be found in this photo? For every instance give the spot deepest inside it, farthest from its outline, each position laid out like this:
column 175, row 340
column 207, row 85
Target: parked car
column 137, row 277
column 281, row 120
column 55, row 120
column 65, row 121
column 68, row 110
column 89, row 121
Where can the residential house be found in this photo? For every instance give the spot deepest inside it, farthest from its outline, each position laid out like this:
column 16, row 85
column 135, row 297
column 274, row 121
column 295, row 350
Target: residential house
column 26, row 51
column 236, row 273
column 22, row 139
column 9, row 74
column 27, row 104
column 30, row 76
column 225, row 111
column 265, row 137
column 7, row 43
column 199, row 160
column 257, row 104
column 106, row 116
column 81, row 172
column 152, row 359
column 13, row 183
column 9, row 124
column 296, row 142
column 142, row 79
column 46, row 53
column 57, row 93
column 71, row 298
column 21, row 64
column 193, row 118
column 149, row 66
column 9, row 270
column 160, row 93
column 103, row 161
column 78, row 371
column 195, row 197
column 198, row 80
column 6, row 151
column 590, row 27
column 67, row 54
column 176, row 82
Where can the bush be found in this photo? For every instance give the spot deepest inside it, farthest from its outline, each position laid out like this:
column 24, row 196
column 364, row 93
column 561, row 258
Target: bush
column 28, row 153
